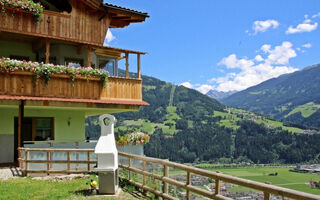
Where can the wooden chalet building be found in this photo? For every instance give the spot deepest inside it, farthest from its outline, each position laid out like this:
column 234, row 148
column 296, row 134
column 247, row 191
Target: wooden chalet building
column 65, row 33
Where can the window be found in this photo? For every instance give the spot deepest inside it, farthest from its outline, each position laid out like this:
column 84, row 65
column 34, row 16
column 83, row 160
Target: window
column 43, row 128
column 109, row 65
column 73, row 62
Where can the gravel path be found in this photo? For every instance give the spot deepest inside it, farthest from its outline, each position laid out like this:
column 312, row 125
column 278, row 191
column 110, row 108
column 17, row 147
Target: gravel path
column 7, row 173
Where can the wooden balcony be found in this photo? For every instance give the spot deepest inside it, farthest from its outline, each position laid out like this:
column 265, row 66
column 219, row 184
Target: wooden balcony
column 79, row 26
column 118, row 90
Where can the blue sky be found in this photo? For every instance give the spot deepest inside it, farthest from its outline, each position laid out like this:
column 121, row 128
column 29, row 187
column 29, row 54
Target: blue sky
column 224, row 45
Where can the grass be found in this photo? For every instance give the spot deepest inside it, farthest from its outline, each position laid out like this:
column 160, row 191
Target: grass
column 168, row 126
column 230, row 120
column 306, row 110
column 27, row 188
column 285, row 178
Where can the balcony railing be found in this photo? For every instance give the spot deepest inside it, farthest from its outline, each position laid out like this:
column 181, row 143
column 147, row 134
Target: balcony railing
column 61, row 86
column 267, row 189
column 68, row 158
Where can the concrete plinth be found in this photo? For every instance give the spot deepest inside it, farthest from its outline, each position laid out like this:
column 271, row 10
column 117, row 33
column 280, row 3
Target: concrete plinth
column 108, row 182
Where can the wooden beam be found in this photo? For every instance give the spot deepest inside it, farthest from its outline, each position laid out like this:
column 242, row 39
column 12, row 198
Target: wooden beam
column 127, row 65
column 139, row 66
column 79, row 49
column 20, row 122
column 89, row 55
column 47, row 51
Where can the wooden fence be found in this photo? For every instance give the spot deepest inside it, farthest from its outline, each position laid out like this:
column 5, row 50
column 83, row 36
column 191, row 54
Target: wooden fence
column 267, row 189
column 24, row 161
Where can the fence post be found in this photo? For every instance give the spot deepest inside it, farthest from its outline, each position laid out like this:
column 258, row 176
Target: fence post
column 88, row 161
column 217, row 185
column 144, row 169
column 188, row 183
column 129, row 170
column 68, row 162
column 48, row 162
column 165, row 174
column 27, row 164
column 266, row 194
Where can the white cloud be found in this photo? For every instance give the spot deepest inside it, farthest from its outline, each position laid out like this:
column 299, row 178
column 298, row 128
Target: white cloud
column 186, row 84
column 305, row 26
column 205, row 88
column 233, row 62
column 280, row 54
column 316, row 15
column 263, row 26
column 258, row 58
column 109, row 37
column 307, row 45
column 257, row 70
column 266, row 48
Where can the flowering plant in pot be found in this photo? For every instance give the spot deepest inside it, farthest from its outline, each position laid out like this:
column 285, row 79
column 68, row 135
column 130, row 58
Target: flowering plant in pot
column 133, row 139
column 46, row 70
column 28, row 6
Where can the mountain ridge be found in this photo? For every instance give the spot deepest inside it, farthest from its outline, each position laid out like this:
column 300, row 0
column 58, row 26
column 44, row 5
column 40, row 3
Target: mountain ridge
column 219, row 95
column 278, row 97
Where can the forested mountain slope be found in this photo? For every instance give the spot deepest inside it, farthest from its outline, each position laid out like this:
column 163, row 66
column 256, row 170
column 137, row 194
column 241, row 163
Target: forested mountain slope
column 291, row 97
column 187, row 126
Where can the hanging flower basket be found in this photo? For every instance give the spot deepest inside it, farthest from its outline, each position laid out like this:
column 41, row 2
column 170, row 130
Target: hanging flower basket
column 28, row 6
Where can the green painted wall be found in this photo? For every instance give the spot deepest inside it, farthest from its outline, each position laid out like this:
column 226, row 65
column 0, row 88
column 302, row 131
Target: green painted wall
column 76, row 130
column 7, row 120
column 62, row 131
column 9, row 48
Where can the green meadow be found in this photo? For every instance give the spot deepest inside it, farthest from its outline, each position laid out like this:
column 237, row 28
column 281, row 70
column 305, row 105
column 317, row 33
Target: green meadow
column 285, row 178
column 230, row 120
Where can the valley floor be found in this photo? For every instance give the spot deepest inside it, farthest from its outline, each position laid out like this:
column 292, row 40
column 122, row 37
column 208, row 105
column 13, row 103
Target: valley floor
column 285, row 178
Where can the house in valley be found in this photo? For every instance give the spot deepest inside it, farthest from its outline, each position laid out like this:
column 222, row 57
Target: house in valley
column 51, row 70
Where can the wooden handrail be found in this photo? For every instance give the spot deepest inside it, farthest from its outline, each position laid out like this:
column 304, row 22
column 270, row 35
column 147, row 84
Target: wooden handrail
column 267, row 189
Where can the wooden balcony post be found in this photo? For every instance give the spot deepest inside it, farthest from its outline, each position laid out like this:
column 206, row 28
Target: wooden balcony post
column 89, row 56
column 20, row 122
column 47, row 51
column 127, row 65
column 139, row 66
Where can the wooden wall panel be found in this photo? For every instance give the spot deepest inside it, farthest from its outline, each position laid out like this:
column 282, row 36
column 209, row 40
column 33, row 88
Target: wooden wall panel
column 20, row 83
column 82, row 25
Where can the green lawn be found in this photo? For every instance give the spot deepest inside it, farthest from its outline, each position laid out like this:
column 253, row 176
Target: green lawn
column 27, row 188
